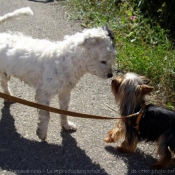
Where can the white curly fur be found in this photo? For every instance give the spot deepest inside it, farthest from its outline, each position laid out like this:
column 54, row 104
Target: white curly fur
column 54, row 67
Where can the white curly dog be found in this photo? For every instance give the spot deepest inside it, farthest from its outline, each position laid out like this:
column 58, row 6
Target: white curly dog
column 54, row 67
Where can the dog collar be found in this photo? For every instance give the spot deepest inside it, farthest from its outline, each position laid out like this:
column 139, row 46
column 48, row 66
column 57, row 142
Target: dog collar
column 139, row 117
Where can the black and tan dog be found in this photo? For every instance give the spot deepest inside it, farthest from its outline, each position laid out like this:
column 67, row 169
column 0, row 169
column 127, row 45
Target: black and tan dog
column 148, row 123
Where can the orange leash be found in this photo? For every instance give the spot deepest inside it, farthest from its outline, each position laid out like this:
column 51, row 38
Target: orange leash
column 60, row 111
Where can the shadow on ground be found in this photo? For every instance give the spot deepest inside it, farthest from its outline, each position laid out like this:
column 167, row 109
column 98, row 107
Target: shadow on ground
column 139, row 162
column 23, row 156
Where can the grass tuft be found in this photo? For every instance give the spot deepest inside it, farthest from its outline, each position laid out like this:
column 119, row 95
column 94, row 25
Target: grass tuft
column 142, row 45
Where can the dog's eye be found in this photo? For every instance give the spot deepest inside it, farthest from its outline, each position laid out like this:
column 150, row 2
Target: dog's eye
column 103, row 62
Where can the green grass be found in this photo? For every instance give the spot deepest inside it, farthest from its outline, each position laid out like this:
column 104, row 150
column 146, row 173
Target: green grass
column 142, row 45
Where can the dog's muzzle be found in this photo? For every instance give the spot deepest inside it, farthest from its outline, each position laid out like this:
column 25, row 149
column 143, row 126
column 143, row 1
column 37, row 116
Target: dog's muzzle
column 110, row 75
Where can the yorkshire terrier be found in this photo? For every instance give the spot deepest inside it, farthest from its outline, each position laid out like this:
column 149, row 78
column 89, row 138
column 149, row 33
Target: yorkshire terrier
column 141, row 122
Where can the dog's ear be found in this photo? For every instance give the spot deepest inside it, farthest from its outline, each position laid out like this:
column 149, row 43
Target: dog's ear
column 115, row 84
column 145, row 80
column 144, row 89
column 110, row 33
column 105, row 27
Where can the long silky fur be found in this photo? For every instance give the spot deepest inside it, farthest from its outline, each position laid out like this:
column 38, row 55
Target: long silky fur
column 156, row 125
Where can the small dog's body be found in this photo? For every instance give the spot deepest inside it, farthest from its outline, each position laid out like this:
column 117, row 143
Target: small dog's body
column 156, row 124
column 54, row 67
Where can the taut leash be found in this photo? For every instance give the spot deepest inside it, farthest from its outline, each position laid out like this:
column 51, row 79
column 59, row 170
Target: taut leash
column 51, row 109
column 59, row 111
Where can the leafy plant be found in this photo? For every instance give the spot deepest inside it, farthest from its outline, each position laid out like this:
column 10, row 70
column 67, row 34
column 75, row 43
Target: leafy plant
column 143, row 46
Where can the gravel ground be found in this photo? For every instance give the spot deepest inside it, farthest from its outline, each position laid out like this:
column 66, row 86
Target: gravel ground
column 82, row 152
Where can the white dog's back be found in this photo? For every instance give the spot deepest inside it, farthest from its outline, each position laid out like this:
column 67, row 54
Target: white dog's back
column 24, row 57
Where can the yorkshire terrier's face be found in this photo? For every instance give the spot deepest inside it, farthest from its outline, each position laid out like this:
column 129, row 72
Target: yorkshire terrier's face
column 130, row 87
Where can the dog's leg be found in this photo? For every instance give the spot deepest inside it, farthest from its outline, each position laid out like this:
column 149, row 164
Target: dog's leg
column 44, row 116
column 113, row 135
column 4, row 83
column 64, row 99
column 165, row 159
column 162, row 163
column 165, row 154
column 127, row 147
column 117, row 133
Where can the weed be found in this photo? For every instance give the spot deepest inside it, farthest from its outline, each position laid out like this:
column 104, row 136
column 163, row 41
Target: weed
column 142, row 45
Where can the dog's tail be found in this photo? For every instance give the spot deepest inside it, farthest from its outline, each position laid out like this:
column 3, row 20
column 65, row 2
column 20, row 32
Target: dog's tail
column 16, row 14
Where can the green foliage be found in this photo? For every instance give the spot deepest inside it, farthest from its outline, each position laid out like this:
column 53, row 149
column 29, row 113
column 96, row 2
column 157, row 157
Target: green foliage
column 142, row 44
column 160, row 11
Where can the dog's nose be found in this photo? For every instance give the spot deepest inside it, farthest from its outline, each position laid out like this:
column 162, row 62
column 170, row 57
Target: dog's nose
column 110, row 75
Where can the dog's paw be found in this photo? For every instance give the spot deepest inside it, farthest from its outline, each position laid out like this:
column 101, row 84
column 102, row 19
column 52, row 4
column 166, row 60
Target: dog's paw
column 70, row 126
column 42, row 135
column 108, row 140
